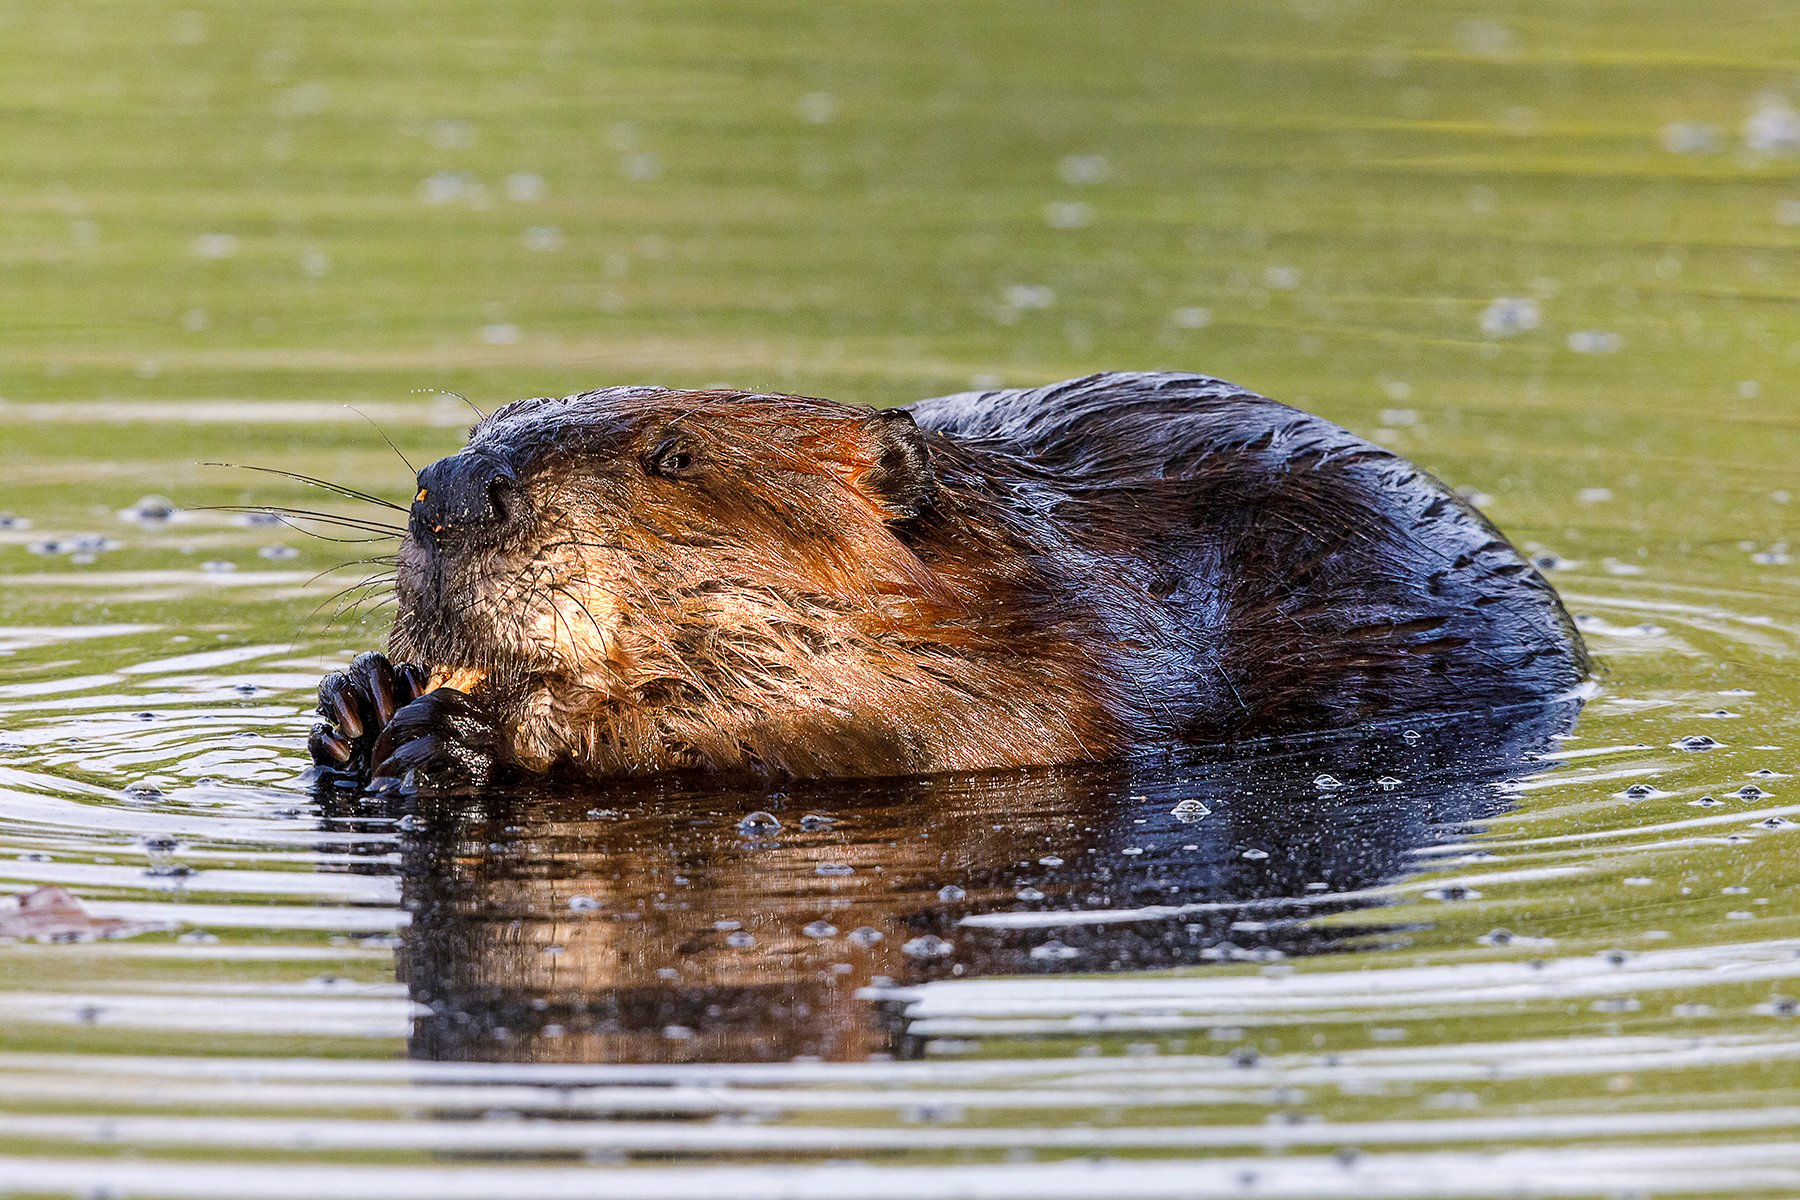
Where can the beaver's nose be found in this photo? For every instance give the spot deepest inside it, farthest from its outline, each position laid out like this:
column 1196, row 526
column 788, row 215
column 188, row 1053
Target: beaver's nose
column 466, row 493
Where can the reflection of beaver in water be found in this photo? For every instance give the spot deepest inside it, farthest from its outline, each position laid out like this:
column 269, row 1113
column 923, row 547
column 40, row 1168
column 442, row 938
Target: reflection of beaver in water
column 637, row 580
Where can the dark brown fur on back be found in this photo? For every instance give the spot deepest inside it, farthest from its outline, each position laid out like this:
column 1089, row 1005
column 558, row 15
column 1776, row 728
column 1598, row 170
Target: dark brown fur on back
column 794, row 586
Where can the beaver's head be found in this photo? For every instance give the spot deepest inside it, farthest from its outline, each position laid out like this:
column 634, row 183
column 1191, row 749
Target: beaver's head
column 637, row 542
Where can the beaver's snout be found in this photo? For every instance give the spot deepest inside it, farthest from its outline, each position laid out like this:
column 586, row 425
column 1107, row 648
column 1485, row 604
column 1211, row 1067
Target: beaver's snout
column 470, row 496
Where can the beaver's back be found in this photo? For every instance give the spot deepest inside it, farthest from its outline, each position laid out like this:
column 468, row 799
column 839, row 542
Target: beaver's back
column 1264, row 570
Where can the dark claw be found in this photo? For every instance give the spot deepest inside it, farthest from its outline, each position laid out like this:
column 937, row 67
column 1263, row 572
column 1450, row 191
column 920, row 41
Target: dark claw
column 444, row 739
column 357, row 705
column 382, row 686
column 328, row 747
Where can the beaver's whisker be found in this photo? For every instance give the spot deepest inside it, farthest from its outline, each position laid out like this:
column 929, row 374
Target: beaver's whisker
column 304, row 514
column 314, row 481
column 384, row 437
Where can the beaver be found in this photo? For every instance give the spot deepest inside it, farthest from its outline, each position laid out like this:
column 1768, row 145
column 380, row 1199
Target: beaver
column 639, row 580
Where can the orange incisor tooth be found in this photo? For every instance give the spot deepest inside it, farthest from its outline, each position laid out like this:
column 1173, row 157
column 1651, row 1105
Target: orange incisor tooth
column 463, row 679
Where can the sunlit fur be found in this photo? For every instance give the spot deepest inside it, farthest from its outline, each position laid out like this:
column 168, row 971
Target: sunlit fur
column 1095, row 566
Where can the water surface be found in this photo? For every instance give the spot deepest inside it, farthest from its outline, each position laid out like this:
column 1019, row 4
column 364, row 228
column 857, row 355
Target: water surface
column 1545, row 250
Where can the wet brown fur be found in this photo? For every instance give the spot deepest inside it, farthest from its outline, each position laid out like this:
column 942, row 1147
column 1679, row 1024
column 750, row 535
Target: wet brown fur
column 824, row 591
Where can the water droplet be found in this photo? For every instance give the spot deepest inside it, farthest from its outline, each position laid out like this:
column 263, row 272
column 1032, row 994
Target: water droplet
column 950, row 893
column 1509, row 315
column 1029, row 894
column 928, row 945
column 1256, row 854
column 814, row 822
column 864, row 936
column 143, row 792
column 759, row 824
column 1189, row 811
column 742, row 939
column 1054, row 951
column 1750, row 792
column 820, row 929
column 1327, row 783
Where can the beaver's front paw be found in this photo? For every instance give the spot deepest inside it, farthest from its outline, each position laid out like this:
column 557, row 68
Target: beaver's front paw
column 444, row 740
column 358, row 703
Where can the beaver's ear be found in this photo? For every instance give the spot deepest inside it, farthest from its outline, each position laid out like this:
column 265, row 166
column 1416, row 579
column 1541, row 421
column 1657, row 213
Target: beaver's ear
column 899, row 476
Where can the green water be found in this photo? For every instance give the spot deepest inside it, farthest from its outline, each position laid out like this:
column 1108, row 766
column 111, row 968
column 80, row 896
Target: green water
column 1546, row 250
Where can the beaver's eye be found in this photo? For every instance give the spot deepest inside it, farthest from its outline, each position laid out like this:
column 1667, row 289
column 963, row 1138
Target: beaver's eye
column 672, row 460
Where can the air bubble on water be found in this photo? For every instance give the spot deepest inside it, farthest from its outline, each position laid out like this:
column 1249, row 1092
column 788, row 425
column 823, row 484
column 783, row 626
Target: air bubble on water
column 928, row 945
column 1750, row 792
column 35, row 856
column 277, row 552
column 1411, row 737
column 13, row 521
column 1132, row 851
column 1509, row 315
column 677, row 1033
column 1451, row 892
column 522, row 187
column 583, row 904
column 149, row 511
column 828, row 868
column 1282, row 279
column 864, row 936
column 1078, row 169
column 1496, row 937
column 820, row 929
column 214, row 246
column 1692, row 137
column 1774, row 128
column 218, row 566
column 1776, row 823
column 1696, row 741
column 814, row 822
column 1029, row 894
column 544, row 239
column 1595, row 341
column 1192, row 316
column 640, row 167
column 1705, row 802
column 667, row 974
column 1639, row 791
column 742, row 939
column 1594, row 495
column 1327, row 783
column 1054, row 951
column 1387, row 783
column 143, row 792
column 950, row 893
column 1615, row 958
column 1068, row 214
column 759, row 824
column 1189, row 811
column 256, row 519
column 1255, row 855
column 499, row 333
column 1050, row 860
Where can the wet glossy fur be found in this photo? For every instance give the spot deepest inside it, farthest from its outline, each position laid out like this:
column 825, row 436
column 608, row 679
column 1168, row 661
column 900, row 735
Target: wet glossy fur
column 794, row 586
